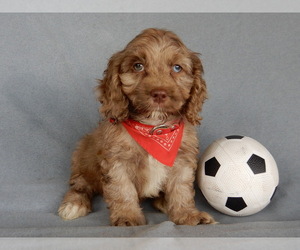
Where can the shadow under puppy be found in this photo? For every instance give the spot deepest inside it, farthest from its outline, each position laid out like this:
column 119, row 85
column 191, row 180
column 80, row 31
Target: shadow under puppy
column 147, row 146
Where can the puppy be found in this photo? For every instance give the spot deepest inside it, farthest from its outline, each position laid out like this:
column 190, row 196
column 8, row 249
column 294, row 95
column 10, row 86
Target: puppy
column 147, row 146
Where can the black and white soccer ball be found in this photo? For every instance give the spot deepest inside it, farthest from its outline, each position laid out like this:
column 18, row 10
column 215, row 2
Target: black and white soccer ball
column 237, row 175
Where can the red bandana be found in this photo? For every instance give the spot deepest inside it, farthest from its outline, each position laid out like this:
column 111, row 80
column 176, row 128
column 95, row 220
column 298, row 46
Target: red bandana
column 162, row 142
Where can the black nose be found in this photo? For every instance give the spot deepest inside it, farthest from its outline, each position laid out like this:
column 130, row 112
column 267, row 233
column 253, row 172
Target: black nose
column 159, row 96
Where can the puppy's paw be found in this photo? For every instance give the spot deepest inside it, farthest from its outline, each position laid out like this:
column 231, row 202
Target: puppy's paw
column 129, row 221
column 193, row 218
column 205, row 218
column 70, row 211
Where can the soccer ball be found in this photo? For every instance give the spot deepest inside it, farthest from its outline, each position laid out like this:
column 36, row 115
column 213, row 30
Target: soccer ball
column 237, row 175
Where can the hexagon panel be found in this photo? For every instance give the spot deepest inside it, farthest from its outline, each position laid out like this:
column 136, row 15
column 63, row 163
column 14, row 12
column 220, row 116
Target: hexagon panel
column 212, row 166
column 257, row 164
column 236, row 203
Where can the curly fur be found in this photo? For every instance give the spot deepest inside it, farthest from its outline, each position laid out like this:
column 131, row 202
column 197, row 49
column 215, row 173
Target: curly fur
column 141, row 83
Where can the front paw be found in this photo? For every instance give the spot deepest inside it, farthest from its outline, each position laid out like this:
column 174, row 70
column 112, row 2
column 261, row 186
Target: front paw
column 128, row 220
column 70, row 211
column 192, row 218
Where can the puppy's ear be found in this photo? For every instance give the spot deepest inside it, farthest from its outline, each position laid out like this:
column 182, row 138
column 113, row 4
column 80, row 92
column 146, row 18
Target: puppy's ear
column 198, row 93
column 109, row 91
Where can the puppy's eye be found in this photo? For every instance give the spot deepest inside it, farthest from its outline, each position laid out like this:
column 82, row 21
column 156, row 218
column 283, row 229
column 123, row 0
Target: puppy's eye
column 177, row 68
column 138, row 67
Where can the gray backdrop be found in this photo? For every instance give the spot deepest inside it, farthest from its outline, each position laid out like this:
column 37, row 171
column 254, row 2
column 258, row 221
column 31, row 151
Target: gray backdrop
column 49, row 64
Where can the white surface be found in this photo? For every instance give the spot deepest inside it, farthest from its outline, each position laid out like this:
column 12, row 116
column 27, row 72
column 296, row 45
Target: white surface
column 150, row 243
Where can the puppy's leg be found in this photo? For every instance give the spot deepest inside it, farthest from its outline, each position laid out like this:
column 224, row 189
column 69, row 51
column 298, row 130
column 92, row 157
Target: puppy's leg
column 77, row 201
column 160, row 203
column 122, row 198
column 180, row 199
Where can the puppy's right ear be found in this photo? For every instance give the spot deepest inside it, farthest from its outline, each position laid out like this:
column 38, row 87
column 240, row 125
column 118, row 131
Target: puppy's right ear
column 109, row 91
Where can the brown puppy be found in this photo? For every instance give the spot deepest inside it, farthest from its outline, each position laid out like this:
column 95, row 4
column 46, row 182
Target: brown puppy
column 147, row 146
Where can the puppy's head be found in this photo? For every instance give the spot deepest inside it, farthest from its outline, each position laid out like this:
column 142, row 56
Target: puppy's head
column 154, row 76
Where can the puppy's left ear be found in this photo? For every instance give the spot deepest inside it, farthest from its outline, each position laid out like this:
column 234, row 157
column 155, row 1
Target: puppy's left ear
column 198, row 93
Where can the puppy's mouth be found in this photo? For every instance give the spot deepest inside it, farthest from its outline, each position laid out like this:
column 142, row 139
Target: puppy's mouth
column 159, row 109
column 162, row 101
column 156, row 104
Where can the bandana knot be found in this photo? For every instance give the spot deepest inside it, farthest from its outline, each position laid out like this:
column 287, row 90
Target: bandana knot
column 162, row 142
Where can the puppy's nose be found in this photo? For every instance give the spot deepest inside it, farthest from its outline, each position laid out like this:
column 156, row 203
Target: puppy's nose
column 159, row 96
